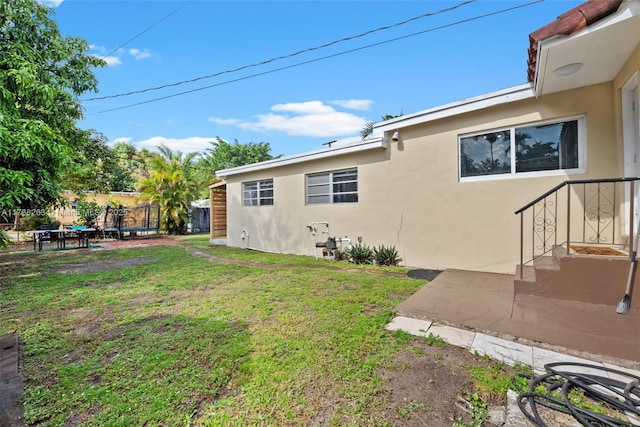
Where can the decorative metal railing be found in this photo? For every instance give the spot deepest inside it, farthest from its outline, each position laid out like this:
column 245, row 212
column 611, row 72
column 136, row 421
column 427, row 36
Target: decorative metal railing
column 591, row 211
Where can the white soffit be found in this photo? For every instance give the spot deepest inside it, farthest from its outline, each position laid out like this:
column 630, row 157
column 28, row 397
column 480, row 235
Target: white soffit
column 339, row 150
column 602, row 48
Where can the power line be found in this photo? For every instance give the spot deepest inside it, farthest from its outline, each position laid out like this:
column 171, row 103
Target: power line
column 322, row 58
column 257, row 64
column 146, row 29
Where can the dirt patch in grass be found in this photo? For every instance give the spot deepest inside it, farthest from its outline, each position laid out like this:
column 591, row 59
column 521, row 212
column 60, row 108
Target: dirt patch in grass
column 427, row 384
column 97, row 266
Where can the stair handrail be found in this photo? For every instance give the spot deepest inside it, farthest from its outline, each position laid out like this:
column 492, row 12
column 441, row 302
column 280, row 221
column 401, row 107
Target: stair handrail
column 556, row 189
column 571, row 182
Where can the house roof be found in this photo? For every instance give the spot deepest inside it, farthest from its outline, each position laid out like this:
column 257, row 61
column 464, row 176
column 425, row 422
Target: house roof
column 569, row 23
column 585, row 46
column 332, row 151
column 499, row 97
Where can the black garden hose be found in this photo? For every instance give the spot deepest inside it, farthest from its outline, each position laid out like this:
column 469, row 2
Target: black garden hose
column 620, row 395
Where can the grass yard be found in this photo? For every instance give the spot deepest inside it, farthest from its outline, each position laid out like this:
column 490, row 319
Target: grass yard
column 161, row 336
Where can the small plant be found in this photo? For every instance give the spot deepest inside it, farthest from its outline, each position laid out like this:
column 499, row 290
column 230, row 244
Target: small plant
column 88, row 212
column 386, row 256
column 477, row 411
column 407, row 410
column 32, row 222
column 360, row 254
column 437, row 341
column 4, row 239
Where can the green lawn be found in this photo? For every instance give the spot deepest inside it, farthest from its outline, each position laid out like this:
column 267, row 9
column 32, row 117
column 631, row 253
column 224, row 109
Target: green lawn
column 160, row 336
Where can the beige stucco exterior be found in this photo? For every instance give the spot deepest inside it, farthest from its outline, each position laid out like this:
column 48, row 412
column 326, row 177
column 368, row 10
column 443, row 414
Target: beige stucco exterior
column 410, row 194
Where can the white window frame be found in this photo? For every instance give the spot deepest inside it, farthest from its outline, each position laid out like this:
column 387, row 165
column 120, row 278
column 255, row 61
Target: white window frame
column 260, row 187
column 582, row 151
column 331, row 182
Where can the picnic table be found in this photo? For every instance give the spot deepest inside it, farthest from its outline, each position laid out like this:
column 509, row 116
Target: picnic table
column 60, row 236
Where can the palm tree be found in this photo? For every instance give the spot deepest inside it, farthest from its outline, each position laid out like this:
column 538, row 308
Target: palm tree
column 171, row 184
column 367, row 129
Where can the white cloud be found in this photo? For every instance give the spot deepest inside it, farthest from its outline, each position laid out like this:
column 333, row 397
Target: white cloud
column 315, row 125
column 140, row 54
column 311, row 118
column 111, row 60
column 185, row 145
column 309, row 107
column 51, row 3
column 354, row 104
column 221, row 121
column 100, row 51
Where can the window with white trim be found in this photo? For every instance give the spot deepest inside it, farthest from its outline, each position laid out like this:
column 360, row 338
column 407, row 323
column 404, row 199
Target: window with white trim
column 333, row 187
column 257, row 193
column 539, row 148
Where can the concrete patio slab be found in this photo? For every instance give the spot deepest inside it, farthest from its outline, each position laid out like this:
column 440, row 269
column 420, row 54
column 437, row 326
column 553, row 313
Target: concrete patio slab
column 485, row 302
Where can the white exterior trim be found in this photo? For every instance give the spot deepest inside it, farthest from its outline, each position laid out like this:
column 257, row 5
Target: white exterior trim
column 492, row 99
column 368, row 144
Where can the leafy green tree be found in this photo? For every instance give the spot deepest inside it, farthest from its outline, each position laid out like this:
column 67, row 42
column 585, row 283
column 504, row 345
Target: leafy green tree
column 135, row 162
column 171, row 184
column 223, row 155
column 96, row 167
column 42, row 76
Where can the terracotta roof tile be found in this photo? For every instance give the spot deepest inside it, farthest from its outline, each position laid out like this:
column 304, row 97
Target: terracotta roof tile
column 568, row 23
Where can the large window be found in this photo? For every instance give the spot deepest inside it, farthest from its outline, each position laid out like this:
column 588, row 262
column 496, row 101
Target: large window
column 257, row 193
column 333, row 187
column 540, row 147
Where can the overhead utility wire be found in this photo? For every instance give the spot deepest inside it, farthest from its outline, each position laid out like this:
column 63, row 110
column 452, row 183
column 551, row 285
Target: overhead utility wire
column 146, row 29
column 321, row 58
column 290, row 55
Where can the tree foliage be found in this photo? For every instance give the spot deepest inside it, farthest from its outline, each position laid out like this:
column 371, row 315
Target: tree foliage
column 42, row 75
column 367, row 129
column 223, row 155
column 96, row 167
column 136, row 162
column 171, row 184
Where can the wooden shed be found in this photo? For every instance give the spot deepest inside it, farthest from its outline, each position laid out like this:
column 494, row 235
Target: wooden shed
column 218, row 203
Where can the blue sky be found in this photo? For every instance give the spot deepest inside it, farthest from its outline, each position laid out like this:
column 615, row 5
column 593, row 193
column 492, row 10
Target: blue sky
column 298, row 108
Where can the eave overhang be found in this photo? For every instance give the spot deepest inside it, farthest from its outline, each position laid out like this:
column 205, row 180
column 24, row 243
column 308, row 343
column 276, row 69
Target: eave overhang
column 339, row 150
column 504, row 96
column 600, row 50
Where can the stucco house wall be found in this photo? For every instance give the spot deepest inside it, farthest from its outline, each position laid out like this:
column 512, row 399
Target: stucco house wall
column 410, row 194
column 583, row 66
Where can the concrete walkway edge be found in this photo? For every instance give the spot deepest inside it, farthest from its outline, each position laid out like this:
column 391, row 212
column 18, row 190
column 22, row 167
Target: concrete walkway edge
column 500, row 349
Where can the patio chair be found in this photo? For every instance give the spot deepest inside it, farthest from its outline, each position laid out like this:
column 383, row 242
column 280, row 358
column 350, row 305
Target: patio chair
column 47, row 237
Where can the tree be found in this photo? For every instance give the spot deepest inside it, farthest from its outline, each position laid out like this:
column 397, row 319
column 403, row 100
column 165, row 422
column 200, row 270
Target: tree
column 367, row 129
column 223, row 155
column 96, row 167
column 136, row 162
column 42, row 76
column 171, row 184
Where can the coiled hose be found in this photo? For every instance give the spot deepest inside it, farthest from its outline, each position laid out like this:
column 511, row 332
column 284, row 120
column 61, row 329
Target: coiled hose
column 620, row 394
